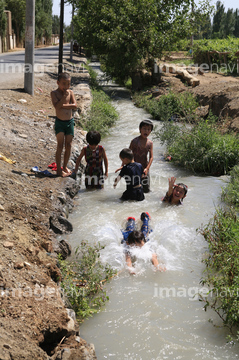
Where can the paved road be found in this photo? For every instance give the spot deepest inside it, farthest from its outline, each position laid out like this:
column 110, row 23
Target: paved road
column 12, row 64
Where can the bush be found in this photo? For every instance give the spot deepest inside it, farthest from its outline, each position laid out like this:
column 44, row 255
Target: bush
column 102, row 114
column 83, row 280
column 222, row 266
column 178, row 105
column 201, row 148
column 231, row 193
column 202, row 47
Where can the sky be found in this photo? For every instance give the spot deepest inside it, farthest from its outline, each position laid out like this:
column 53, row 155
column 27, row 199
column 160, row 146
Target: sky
column 229, row 4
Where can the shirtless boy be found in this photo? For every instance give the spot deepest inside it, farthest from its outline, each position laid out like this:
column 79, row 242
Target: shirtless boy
column 64, row 102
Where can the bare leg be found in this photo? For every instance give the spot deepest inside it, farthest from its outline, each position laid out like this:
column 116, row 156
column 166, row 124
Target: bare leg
column 68, row 143
column 60, row 143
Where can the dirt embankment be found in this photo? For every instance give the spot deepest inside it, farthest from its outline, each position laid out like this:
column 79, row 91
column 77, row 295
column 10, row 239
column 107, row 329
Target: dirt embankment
column 217, row 92
column 34, row 321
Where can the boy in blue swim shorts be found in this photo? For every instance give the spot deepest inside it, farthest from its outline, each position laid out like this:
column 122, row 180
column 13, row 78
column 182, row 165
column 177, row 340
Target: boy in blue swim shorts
column 64, row 102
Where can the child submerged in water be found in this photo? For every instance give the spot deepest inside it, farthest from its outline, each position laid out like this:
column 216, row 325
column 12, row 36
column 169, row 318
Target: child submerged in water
column 135, row 238
column 176, row 193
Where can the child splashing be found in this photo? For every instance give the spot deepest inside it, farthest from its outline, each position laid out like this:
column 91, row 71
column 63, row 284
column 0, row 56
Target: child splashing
column 176, row 193
column 134, row 238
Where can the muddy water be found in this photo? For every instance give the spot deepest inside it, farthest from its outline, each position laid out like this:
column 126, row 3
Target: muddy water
column 151, row 315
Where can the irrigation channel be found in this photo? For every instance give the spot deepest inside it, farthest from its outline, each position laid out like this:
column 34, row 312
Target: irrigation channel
column 151, row 315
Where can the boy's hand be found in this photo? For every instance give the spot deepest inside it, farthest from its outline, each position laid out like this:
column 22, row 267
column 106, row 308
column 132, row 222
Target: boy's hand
column 146, row 171
column 171, row 181
column 118, row 169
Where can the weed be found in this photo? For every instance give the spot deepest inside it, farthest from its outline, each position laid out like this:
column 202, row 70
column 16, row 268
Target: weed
column 222, row 266
column 83, row 280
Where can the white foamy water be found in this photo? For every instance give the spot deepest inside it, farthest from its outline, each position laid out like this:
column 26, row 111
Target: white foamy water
column 151, row 315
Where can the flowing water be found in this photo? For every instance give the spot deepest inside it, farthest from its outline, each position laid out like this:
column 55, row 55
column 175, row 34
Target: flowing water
column 151, row 315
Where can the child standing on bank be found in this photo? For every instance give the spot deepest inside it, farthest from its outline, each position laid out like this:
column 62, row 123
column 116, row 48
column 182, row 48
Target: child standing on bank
column 142, row 149
column 94, row 155
column 64, row 102
column 176, row 193
column 132, row 172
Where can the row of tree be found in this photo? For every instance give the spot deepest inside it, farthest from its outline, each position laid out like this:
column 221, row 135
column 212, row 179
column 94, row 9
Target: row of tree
column 43, row 18
column 221, row 25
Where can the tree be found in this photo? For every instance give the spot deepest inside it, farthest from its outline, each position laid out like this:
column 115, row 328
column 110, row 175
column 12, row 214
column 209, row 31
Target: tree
column 227, row 24
column 236, row 30
column 43, row 20
column 217, row 20
column 3, row 19
column 18, row 10
column 55, row 24
column 126, row 32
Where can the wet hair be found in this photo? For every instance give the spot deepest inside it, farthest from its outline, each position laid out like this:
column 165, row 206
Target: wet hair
column 185, row 188
column 93, row 137
column 64, row 76
column 135, row 237
column 146, row 122
column 126, row 154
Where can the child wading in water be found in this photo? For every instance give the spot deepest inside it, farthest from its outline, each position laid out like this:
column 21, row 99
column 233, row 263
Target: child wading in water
column 94, row 155
column 134, row 238
column 132, row 172
column 176, row 193
column 142, row 147
column 64, row 102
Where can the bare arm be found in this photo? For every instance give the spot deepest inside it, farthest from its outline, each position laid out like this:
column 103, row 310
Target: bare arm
column 116, row 181
column 79, row 160
column 151, row 157
column 64, row 103
column 171, row 182
column 105, row 162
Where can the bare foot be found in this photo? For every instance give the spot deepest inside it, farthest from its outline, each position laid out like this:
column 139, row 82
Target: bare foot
column 65, row 174
column 66, row 170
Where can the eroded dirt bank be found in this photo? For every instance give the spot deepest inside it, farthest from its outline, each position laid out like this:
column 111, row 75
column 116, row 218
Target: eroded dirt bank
column 34, row 321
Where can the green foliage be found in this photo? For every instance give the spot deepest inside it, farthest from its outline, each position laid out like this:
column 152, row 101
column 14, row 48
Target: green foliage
column 125, row 32
column 55, row 24
column 201, row 148
column 178, row 105
column 43, row 20
column 231, row 193
column 83, row 280
column 222, row 266
column 18, row 10
column 202, row 47
column 102, row 114
column 3, row 19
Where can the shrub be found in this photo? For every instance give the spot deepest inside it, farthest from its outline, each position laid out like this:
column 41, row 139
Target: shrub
column 178, row 105
column 200, row 148
column 83, row 280
column 102, row 114
column 222, row 266
column 231, row 193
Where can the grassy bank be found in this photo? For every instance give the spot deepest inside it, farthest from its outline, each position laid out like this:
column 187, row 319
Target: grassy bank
column 102, row 114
